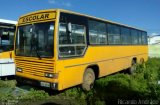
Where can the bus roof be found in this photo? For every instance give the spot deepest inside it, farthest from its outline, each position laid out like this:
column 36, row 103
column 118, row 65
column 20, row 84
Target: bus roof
column 8, row 21
column 67, row 11
column 76, row 13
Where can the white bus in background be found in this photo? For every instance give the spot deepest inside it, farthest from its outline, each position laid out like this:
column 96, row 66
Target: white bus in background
column 154, row 45
column 7, row 30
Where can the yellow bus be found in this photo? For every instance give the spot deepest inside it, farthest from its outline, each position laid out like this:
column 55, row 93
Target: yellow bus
column 59, row 49
column 7, row 30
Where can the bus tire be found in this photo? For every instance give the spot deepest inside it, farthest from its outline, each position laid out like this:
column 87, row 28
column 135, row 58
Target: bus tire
column 133, row 67
column 19, row 83
column 88, row 79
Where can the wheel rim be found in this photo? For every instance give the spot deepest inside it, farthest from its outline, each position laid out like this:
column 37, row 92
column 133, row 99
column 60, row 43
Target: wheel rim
column 89, row 78
column 89, row 81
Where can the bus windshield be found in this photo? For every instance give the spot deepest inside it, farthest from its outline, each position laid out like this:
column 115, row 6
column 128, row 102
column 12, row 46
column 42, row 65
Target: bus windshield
column 35, row 40
column 6, row 38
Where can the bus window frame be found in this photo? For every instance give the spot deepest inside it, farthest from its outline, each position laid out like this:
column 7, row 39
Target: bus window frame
column 29, row 23
column 66, row 18
column 106, row 30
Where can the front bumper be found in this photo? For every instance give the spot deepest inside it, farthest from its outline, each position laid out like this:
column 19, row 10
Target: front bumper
column 23, row 80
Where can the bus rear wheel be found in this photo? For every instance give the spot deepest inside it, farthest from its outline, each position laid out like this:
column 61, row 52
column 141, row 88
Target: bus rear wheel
column 133, row 67
column 88, row 79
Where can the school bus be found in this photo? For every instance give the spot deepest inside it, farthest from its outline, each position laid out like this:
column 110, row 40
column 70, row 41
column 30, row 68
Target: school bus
column 7, row 30
column 59, row 49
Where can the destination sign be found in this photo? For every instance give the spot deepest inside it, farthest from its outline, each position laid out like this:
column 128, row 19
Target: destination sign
column 37, row 17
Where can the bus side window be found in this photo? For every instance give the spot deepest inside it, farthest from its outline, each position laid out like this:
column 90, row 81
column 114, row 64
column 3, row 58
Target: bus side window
column 140, row 37
column 125, row 36
column 144, row 38
column 97, row 32
column 72, row 44
column 114, row 34
column 134, row 36
column 63, row 33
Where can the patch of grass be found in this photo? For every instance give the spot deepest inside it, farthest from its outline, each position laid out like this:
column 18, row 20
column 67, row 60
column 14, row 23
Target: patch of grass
column 24, row 98
column 34, row 95
column 108, row 90
column 9, row 83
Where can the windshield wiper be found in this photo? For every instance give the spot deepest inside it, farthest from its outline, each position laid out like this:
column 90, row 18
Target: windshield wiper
column 37, row 52
column 34, row 45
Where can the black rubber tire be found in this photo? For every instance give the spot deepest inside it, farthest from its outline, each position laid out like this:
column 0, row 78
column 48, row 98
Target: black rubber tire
column 132, row 69
column 88, row 79
column 19, row 83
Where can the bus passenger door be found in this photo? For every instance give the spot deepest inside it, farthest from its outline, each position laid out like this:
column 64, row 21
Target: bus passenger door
column 7, row 66
column 0, row 65
column 0, row 54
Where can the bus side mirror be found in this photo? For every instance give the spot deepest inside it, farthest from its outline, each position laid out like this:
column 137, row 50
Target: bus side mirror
column 69, row 27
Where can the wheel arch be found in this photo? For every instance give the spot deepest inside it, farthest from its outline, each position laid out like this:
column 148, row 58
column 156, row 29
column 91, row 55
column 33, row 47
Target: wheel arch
column 95, row 69
column 134, row 59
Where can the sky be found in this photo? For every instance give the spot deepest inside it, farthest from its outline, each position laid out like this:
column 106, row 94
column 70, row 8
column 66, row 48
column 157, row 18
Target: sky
column 143, row 14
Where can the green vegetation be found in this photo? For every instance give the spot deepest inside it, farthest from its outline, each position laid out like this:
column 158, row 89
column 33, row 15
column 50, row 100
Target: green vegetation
column 142, row 85
column 6, row 83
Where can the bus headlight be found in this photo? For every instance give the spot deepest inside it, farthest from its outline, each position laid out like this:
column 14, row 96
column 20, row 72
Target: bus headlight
column 19, row 69
column 51, row 75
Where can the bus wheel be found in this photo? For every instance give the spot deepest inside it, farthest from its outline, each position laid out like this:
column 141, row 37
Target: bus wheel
column 142, row 61
column 19, row 83
column 88, row 79
column 133, row 67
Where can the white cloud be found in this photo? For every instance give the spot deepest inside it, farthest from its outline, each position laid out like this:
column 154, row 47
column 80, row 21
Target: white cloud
column 152, row 34
column 60, row 3
column 67, row 4
column 52, row 1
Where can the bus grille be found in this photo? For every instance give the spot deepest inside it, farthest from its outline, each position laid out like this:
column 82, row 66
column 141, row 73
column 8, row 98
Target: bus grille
column 35, row 67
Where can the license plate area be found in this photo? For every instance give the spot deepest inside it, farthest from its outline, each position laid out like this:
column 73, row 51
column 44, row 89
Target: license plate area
column 45, row 84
